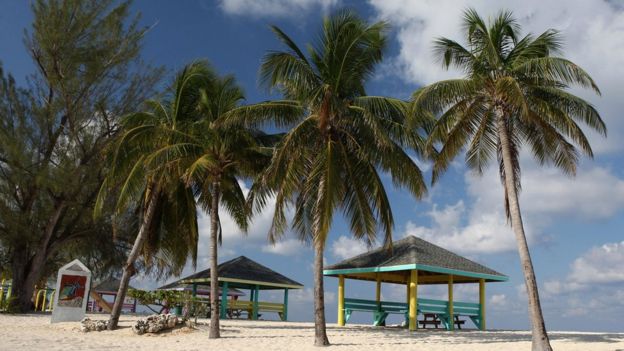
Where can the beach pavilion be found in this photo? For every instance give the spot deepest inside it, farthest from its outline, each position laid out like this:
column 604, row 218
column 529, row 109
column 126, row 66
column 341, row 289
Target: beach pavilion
column 413, row 262
column 243, row 273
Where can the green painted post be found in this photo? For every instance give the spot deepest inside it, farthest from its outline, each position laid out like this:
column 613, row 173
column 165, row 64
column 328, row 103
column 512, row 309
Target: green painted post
column 194, row 289
column 255, row 302
column 224, row 291
column 286, row 304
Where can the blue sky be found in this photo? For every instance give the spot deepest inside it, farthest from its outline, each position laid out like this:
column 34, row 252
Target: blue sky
column 574, row 225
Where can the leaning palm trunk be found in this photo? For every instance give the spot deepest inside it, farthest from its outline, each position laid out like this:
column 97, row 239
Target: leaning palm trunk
column 214, row 277
column 128, row 269
column 540, row 337
column 320, row 334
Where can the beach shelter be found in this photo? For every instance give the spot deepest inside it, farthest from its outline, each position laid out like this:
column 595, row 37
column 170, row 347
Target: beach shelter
column 105, row 288
column 203, row 290
column 412, row 262
column 245, row 274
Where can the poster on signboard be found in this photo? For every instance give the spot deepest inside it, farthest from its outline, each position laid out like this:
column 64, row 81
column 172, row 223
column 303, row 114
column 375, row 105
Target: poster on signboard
column 72, row 290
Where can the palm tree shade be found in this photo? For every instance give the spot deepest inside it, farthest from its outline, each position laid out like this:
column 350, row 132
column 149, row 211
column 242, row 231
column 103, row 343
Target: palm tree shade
column 218, row 155
column 148, row 173
column 340, row 140
column 514, row 93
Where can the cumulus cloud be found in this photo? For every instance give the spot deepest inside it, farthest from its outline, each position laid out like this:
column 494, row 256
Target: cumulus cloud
column 346, row 247
column 601, row 265
column 593, row 30
column 498, row 301
column 547, row 195
column 286, row 247
column 306, row 295
column 273, row 8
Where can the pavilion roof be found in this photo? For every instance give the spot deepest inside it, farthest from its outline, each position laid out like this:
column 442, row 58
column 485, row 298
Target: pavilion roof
column 243, row 272
column 110, row 284
column 414, row 253
column 205, row 290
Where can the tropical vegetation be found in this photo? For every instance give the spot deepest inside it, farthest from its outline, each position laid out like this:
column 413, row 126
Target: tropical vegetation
column 340, row 141
column 515, row 91
column 96, row 163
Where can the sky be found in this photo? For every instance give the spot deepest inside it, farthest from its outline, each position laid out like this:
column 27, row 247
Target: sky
column 574, row 225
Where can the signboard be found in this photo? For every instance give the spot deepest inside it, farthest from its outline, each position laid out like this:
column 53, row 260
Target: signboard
column 72, row 284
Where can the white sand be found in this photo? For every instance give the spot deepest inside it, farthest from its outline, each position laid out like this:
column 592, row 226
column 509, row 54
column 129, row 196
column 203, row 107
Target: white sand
column 34, row 332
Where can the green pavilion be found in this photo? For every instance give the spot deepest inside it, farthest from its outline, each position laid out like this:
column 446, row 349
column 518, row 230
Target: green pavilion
column 242, row 273
column 413, row 262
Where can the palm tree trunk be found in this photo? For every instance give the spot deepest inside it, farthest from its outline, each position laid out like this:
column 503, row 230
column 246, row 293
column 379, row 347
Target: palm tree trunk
column 540, row 336
column 320, row 334
column 128, row 269
column 214, row 277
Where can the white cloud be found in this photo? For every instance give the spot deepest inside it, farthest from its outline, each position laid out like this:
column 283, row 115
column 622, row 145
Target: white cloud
column 547, row 195
column 273, row 8
column 599, row 267
column 499, row 301
column 602, row 264
column 346, row 247
column 286, row 247
column 593, row 31
column 306, row 295
column 485, row 232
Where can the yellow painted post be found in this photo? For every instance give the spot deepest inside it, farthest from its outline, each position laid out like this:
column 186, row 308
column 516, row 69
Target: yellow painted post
column 1, row 291
column 43, row 305
column 51, row 304
column 341, row 320
column 482, row 302
column 413, row 300
column 450, row 302
column 38, row 294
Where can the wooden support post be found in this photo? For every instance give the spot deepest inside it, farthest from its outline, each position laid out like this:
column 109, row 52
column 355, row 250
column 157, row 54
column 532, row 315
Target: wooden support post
column 224, row 295
column 450, row 303
column 285, row 304
column 482, row 302
column 413, row 300
column 194, row 290
column 255, row 302
column 341, row 313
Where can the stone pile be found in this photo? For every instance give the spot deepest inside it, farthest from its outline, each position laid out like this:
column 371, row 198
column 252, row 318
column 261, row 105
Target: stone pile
column 155, row 323
column 87, row 325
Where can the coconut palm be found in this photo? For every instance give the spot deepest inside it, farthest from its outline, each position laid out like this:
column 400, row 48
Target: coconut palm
column 515, row 92
column 219, row 156
column 147, row 169
column 340, row 143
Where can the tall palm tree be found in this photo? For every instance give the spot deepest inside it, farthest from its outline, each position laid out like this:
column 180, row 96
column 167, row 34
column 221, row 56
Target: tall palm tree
column 514, row 92
column 340, row 142
column 147, row 170
column 219, row 156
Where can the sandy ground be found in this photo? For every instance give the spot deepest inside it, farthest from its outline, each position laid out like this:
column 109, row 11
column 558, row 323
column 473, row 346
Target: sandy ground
column 34, row 332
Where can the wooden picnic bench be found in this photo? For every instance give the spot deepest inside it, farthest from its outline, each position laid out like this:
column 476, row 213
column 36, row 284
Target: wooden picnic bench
column 436, row 312
column 247, row 306
column 380, row 309
column 440, row 309
column 432, row 319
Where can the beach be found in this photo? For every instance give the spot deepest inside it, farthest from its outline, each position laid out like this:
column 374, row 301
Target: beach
column 34, row 332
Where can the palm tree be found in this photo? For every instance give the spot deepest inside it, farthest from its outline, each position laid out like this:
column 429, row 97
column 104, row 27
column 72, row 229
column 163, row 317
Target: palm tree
column 220, row 154
column 514, row 92
column 340, row 141
column 147, row 169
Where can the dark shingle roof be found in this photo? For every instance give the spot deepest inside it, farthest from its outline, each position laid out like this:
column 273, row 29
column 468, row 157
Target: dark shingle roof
column 245, row 269
column 203, row 289
column 110, row 285
column 413, row 250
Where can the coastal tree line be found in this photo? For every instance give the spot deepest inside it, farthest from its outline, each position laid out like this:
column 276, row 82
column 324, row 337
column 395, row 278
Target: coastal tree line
column 102, row 157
